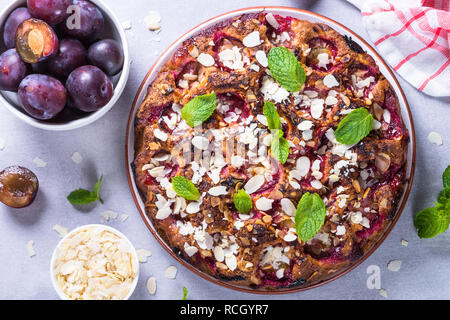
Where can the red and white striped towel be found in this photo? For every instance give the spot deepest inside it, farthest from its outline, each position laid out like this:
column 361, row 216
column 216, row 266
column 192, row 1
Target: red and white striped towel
column 413, row 36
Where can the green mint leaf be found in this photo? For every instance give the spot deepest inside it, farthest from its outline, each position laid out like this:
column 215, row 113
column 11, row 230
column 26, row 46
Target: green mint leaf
column 185, row 293
column 354, row 127
column 310, row 216
column 444, row 195
column 199, row 109
column 286, row 69
column 280, row 148
column 446, row 177
column 430, row 222
column 273, row 119
column 81, row 196
column 242, row 202
column 185, row 188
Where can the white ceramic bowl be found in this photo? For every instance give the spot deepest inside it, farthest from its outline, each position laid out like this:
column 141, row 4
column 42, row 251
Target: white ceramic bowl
column 58, row 290
column 283, row 11
column 113, row 30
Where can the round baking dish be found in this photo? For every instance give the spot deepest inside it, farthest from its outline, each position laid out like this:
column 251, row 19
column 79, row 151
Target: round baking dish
column 300, row 14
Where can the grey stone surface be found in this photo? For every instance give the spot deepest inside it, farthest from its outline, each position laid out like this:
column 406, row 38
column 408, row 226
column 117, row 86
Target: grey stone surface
column 424, row 272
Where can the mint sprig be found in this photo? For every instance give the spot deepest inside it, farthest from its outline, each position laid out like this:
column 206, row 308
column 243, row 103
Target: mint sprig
column 310, row 216
column 242, row 201
column 280, row 148
column 199, row 109
column 272, row 116
column 354, row 127
column 185, row 188
column 435, row 220
column 185, row 293
column 286, row 69
column 83, row 196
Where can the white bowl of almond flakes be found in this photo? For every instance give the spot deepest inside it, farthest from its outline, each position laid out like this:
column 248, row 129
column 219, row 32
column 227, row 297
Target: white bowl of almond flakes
column 94, row 262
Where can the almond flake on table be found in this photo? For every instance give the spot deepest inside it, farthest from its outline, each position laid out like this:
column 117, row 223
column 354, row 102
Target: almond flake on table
column 62, row 231
column 143, row 255
column 152, row 21
column 30, row 248
column 394, row 265
column 2, row 144
column 404, row 242
column 39, row 162
column 151, row 285
column 108, row 214
column 77, row 157
column 124, row 217
column 383, row 293
column 171, row 272
column 435, row 138
column 126, row 25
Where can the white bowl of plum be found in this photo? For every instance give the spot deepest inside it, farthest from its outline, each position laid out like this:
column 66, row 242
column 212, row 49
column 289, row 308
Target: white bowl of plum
column 63, row 63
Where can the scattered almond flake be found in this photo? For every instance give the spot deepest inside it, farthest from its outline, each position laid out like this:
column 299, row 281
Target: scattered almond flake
column 126, row 25
column 280, row 273
column 143, row 254
column 77, row 157
column 330, row 81
column 303, row 165
column 404, row 243
column 387, row 116
column 254, row 67
column 288, row 207
column 151, row 285
column 161, row 135
column 272, row 91
column 231, row 262
column 307, row 135
column 394, row 265
column 254, row 184
column 206, row 59
column 383, row 293
column 108, row 214
column 252, row 39
column 39, row 162
column 171, row 272
column 60, row 230
column 305, row 125
column 261, row 57
column 218, row 191
column 200, row 142
column 194, row 52
column 152, row 20
column 123, row 217
column 323, row 60
column 376, row 124
column 264, row 204
column 317, row 108
column 272, row 21
column 30, row 248
column 316, row 184
column 435, row 138
column 2, row 144
column 190, row 250
column 237, row 161
column 330, row 100
column 290, row 237
column 340, row 230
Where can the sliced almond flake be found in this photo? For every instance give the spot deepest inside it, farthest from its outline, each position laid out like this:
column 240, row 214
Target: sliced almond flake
column 231, row 262
column 152, row 20
column 143, row 254
column 252, row 39
column 387, row 116
column 316, row 184
column 190, row 250
column 77, row 157
column 435, row 138
column 290, row 237
column 305, row 125
column 254, row 184
column 171, row 272
column 404, row 243
column 30, row 248
column 151, row 285
column 261, row 57
column 2, row 144
column 123, row 217
column 206, row 59
column 39, row 162
column 161, row 135
column 126, row 25
column 272, row 21
column 108, row 214
column 394, row 265
column 383, row 293
column 317, row 108
column 62, row 231
column 303, row 165
column 288, row 207
column 218, row 191
column 200, row 142
column 330, row 81
column 264, row 204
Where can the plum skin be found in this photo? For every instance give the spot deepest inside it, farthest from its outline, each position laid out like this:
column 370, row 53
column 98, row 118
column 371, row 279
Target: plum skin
column 16, row 17
column 51, row 11
column 18, row 187
column 106, row 54
column 88, row 88
column 43, row 97
column 71, row 55
column 91, row 21
column 12, row 70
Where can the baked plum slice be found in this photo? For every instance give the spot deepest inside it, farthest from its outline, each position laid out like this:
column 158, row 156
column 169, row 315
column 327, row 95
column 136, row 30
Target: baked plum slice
column 36, row 41
column 322, row 55
column 226, row 52
column 278, row 28
column 232, row 106
column 187, row 75
column 18, row 186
